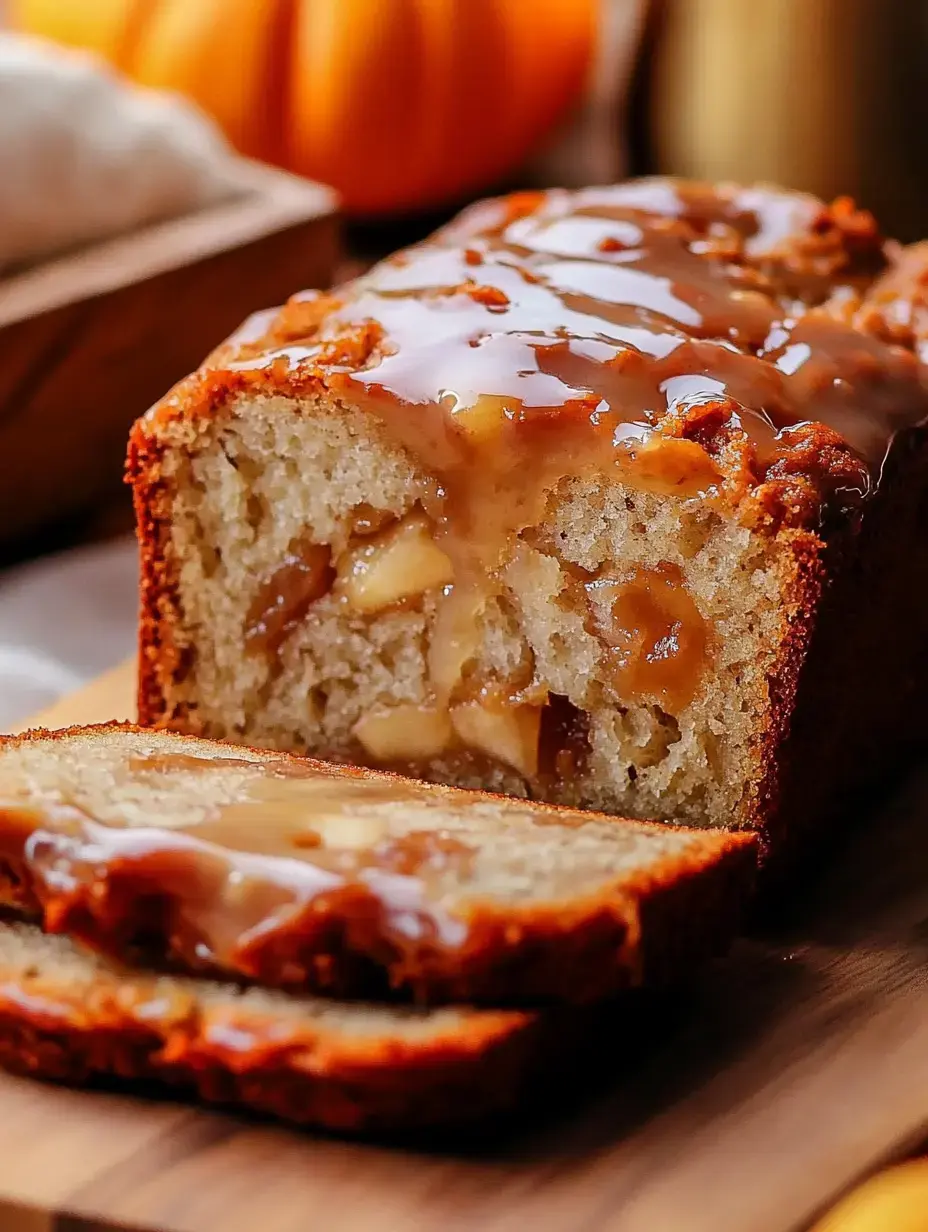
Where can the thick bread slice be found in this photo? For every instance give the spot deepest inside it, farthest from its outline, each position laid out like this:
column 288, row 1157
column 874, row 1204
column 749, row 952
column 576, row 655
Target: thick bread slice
column 215, row 858
column 68, row 1015
column 571, row 501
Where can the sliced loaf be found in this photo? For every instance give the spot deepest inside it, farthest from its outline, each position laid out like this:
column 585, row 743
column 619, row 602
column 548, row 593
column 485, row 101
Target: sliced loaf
column 68, row 1015
column 215, row 858
column 610, row 497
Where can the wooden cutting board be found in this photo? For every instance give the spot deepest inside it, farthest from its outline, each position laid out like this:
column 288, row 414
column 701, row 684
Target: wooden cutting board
column 745, row 1104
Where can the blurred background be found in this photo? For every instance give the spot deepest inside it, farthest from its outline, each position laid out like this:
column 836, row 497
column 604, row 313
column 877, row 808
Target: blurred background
column 409, row 106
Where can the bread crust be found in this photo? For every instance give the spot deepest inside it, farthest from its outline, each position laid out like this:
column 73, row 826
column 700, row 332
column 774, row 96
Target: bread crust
column 827, row 257
column 861, row 674
column 649, row 926
column 766, row 810
column 91, row 1020
column 830, row 260
column 161, row 662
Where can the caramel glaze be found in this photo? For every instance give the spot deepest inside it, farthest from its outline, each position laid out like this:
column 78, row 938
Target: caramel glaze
column 751, row 348
column 656, row 636
column 299, row 882
column 593, row 322
column 248, row 876
column 563, row 739
column 284, row 599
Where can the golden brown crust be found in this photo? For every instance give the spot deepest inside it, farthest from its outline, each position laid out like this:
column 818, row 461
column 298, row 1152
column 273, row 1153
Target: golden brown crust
column 828, row 265
column 801, row 594
column 854, row 723
column 578, row 950
column 88, row 1020
column 747, row 293
column 895, row 306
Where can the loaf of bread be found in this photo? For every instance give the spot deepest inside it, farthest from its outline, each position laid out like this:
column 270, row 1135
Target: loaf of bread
column 613, row 498
column 70, row 1016
column 166, row 850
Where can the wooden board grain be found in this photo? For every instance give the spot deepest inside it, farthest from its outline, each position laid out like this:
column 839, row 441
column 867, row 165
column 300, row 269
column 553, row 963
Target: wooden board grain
column 110, row 697
column 743, row 1104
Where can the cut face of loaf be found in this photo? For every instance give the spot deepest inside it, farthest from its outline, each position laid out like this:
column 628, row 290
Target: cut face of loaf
column 68, row 1015
column 573, row 501
column 155, row 847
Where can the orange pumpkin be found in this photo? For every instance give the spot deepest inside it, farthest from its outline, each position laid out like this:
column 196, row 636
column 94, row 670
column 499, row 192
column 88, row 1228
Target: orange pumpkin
column 892, row 1201
column 399, row 104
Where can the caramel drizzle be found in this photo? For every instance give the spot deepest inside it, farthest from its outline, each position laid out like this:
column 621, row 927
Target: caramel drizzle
column 301, row 847
column 595, row 319
column 692, row 341
column 304, row 863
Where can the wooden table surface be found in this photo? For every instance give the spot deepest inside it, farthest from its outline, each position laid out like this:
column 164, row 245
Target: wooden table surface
column 744, row 1104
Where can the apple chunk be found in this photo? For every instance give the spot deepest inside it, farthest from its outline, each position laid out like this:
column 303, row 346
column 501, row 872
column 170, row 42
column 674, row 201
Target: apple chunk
column 401, row 563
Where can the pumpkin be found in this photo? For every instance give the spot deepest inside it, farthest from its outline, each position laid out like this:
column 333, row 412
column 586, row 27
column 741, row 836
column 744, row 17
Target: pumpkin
column 892, row 1201
column 400, row 104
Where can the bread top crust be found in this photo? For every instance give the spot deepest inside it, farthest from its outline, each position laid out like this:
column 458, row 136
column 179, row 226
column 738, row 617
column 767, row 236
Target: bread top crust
column 747, row 345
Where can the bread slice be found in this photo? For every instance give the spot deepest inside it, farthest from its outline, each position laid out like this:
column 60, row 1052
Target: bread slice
column 71, row 1016
column 159, row 848
column 573, row 501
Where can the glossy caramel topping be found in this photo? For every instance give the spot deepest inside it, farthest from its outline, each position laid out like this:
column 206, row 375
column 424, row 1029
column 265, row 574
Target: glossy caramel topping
column 366, row 520
column 658, row 641
column 564, row 739
column 583, row 323
column 895, row 307
column 243, row 875
column 410, row 853
column 284, row 599
column 740, row 346
column 278, row 870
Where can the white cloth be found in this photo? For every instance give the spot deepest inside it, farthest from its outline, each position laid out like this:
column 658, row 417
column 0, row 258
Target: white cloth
column 63, row 620
column 85, row 155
